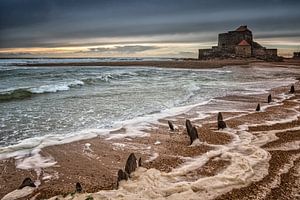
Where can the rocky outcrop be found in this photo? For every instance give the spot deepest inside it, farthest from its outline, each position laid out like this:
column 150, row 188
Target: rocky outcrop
column 189, row 126
column 122, row 175
column 269, row 98
column 27, row 182
column 171, row 126
column 191, row 131
column 292, row 90
column 221, row 123
column 78, row 187
column 193, row 135
column 257, row 107
column 131, row 164
column 220, row 116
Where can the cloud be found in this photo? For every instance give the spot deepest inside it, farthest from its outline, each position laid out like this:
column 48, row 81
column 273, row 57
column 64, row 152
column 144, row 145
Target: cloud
column 128, row 49
column 15, row 55
column 56, row 23
column 187, row 54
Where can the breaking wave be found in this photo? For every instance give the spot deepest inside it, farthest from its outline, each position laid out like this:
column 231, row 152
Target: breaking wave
column 24, row 93
column 108, row 77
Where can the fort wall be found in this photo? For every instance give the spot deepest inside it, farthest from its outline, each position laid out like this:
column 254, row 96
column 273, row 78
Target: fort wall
column 296, row 55
column 229, row 46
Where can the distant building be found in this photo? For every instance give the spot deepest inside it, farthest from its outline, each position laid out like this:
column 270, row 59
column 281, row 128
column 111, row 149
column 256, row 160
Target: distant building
column 296, row 55
column 238, row 43
column 243, row 49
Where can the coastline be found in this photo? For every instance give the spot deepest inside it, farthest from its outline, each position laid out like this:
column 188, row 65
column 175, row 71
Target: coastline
column 178, row 63
column 188, row 64
column 100, row 164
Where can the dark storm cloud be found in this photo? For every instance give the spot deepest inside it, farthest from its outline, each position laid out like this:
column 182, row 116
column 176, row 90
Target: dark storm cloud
column 48, row 23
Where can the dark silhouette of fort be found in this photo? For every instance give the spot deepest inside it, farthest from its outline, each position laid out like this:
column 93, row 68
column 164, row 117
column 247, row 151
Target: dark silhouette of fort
column 238, row 44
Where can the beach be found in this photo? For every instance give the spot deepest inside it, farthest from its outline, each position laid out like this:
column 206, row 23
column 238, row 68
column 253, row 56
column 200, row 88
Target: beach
column 256, row 157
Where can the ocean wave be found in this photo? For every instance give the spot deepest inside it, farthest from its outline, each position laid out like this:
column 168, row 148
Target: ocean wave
column 108, row 77
column 56, row 87
column 24, row 93
column 98, row 79
column 15, row 95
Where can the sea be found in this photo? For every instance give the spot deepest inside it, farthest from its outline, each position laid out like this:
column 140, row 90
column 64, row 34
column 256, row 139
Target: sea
column 42, row 106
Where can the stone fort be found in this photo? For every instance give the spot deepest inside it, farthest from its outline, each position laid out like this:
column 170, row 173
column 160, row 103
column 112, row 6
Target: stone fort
column 237, row 44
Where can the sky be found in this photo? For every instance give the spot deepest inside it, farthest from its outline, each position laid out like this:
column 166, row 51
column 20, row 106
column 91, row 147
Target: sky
column 140, row 28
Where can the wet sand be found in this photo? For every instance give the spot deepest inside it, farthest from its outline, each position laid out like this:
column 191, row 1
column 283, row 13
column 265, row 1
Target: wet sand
column 96, row 167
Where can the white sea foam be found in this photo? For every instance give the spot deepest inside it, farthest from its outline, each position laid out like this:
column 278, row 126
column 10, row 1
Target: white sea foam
column 17, row 194
column 56, row 87
column 135, row 127
column 153, row 157
column 117, row 146
column 248, row 163
column 34, row 161
column 87, row 148
column 27, row 146
column 196, row 142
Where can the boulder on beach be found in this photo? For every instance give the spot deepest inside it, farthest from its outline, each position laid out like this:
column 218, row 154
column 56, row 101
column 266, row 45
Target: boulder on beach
column 122, row 175
column 258, row 107
column 78, row 187
column 189, row 126
column 193, row 135
column 269, row 98
column 220, row 116
column 131, row 164
column 221, row 125
column 27, row 182
column 292, row 90
column 171, row 126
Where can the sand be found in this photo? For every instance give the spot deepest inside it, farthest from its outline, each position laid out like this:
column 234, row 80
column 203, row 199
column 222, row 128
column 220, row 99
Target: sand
column 95, row 162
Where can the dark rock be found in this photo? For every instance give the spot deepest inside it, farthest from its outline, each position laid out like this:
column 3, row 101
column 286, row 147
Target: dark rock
column 171, row 126
column 269, row 98
column 78, row 187
column 122, row 175
column 258, row 107
column 193, row 135
column 131, row 164
column 220, row 116
column 189, row 127
column 140, row 162
column 27, row 182
column 292, row 90
column 221, row 125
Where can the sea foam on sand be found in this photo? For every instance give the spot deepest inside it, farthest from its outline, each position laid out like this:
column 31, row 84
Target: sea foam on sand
column 249, row 162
